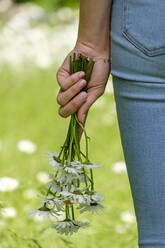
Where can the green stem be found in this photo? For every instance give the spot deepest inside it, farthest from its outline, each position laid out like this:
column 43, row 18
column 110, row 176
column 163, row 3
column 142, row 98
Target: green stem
column 71, row 151
column 73, row 217
column 66, row 212
column 89, row 73
column 85, row 178
column 86, row 137
column 92, row 181
column 76, row 140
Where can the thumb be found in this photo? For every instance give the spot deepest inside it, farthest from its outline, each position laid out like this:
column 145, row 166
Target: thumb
column 84, row 117
column 83, row 110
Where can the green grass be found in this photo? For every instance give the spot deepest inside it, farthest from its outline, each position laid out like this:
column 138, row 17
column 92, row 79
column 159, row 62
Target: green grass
column 29, row 110
column 53, row 4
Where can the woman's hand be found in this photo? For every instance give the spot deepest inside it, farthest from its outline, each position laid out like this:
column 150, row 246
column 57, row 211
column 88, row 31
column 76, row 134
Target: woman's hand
column 70, row 97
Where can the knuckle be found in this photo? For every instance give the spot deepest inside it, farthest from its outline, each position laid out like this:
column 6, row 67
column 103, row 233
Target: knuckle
column 61, row 113
column 58, row 76
column 57, row 73
column 101, row 92
column 75, row 104
column 58, row 99
column 83, row 96
column 63, row 86
column 61, row 99
column 75, row 77
column 75, row 89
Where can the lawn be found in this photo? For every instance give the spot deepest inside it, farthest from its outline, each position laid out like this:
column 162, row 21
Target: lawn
column 29, row 111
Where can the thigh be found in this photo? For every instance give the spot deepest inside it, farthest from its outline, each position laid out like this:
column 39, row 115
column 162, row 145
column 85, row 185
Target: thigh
column 140, row 110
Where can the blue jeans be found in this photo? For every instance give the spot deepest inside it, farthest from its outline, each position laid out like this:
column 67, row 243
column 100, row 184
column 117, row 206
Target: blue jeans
column 138, row 73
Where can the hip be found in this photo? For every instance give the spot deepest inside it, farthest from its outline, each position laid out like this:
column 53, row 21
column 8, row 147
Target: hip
column 137, row 40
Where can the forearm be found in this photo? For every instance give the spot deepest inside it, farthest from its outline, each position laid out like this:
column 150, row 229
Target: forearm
column 94, row 23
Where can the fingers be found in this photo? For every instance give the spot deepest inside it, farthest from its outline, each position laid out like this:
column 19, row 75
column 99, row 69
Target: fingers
column 83, row 111
column 72, row 106
column 66, row 81
column 65, row 96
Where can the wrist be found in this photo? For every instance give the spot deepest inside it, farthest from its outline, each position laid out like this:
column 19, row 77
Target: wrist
column 93, row 48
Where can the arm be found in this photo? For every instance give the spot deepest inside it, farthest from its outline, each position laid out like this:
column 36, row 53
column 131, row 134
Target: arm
column 93, row 40
column 94, row 24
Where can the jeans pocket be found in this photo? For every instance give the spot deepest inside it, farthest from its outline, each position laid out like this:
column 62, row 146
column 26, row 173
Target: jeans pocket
column 144, row 25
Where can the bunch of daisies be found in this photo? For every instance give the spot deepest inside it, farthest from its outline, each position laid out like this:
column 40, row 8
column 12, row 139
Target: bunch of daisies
column 71, row 186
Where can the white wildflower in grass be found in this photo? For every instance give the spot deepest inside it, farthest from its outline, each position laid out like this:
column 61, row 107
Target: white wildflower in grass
column 128, row 217
column 119, row 167
column 8, row 184
column 9, row 212
column 43, row 177
column 68, row 226
column 27, row 146
column 72, row 183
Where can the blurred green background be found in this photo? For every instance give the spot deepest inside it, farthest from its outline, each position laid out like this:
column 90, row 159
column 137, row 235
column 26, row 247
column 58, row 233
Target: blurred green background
column 52, row 4
column 35, row 37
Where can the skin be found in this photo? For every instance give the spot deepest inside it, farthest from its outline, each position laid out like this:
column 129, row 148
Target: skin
column 93, row 40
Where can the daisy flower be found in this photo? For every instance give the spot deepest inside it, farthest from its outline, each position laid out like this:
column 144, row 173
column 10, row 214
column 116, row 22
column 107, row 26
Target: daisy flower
column 92, row 207
column 53, row 201
column 80, row 165
column 68, row 226
column 55, row 186
column 53, row 158
column 67, row 178
column 73, row 171
column 76, row 198
column 91, row 166
column 96, row 198
column 45, row 212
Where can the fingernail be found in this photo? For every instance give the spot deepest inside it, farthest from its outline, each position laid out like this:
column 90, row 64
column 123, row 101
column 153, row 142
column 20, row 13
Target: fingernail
column 83, row 117
column 82, row 83
column 82, row 73
column 83, row 96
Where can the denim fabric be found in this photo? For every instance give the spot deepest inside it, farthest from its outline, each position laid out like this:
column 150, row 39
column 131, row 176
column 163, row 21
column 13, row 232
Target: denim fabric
column 138, row 73
column 138, row 40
